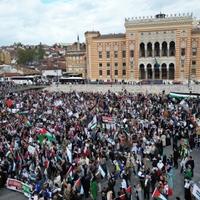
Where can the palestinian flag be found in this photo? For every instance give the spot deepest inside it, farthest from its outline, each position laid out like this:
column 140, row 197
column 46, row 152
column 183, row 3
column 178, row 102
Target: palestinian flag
column 157, row 195
column 43, row 133
column 93, row 123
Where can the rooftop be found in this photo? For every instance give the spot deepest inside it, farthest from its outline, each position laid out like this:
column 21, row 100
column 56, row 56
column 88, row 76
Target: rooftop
column 160, row 18
column 109, row 36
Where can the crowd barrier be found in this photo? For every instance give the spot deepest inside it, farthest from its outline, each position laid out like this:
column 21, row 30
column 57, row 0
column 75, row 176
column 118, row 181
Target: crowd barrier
column 19, row 186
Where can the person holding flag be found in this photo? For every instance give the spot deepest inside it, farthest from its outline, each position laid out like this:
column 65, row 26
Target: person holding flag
column 158, row 195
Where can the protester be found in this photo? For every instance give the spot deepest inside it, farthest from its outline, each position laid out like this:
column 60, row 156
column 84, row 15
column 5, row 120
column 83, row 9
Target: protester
column 71, row 145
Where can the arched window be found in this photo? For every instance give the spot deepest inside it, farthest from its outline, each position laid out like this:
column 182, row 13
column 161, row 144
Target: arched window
column 142, row 72
column 171, row 71
column 164, row 71
column 142, row 50
column 156, row 49
column 156, row 71
column 164, row 49
column 172, row 48
column 149, row 49
column 149, row 72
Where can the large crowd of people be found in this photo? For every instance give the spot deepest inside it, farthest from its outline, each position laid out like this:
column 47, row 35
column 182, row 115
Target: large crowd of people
column 97, row 146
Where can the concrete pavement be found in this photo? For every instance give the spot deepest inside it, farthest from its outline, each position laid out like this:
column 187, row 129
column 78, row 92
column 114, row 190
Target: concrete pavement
column 119, row 88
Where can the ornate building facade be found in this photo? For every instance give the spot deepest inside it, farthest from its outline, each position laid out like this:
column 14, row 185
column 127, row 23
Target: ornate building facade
column 161, row 47
column 76, row 59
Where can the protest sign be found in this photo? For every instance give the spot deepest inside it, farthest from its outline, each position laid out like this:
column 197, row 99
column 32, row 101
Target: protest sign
column 16, row 185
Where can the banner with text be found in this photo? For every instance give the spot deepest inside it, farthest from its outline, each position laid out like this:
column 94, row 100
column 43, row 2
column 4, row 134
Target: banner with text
column 16, row 185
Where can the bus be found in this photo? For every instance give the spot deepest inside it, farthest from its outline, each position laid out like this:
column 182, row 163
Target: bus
column 72, row 80
column 23, row 80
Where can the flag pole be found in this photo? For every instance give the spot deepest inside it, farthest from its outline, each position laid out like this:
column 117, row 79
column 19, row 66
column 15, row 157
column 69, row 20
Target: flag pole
column 154, row 191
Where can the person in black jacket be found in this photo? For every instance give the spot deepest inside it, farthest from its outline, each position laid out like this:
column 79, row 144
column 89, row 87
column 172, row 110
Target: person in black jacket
column 2, row 177
column 175, row 157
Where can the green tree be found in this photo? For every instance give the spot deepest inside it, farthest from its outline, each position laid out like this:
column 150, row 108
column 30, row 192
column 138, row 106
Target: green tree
column 40, row 52
column 25, row 56
column 21, row 56
column 28, row 55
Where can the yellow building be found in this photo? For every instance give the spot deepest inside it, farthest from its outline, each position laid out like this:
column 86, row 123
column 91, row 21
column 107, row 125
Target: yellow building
column 76, row 59
column 5, row 57
column 161, row 47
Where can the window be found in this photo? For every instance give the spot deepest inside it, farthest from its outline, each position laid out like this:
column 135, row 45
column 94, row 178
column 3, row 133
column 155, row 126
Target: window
column 108, row 72
column 123, row 72
column 194, row 51
column 100, row 65
column 108, row 65
column 100, row 73
column 123, row 54
column 116, row 72
column 131, row 66
column 182, row 63
column 131, row 53
column 115, row 54
column 182, row 51
column 124, row 64
column 193, row 71
column 194, row 62
column 107, row 54
column 100, row 54
column 116, row 65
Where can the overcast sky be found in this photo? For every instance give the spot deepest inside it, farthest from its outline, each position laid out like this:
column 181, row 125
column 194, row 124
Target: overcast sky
column 51, row 21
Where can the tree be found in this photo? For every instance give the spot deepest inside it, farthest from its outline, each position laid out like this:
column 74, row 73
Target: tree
column 21, row 56
column 28, row 55
column 40, row 52
column 25, row 56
